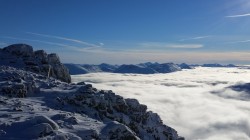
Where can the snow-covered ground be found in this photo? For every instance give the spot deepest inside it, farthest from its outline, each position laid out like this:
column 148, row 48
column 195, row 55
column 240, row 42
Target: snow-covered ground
column 198, row 103
column 33, row 106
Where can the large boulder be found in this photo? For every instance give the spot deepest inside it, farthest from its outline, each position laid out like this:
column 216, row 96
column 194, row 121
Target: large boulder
column 53, row 58
column 20, row 49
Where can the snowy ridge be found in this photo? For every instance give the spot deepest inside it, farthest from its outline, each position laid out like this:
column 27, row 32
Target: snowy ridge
column 54, row 109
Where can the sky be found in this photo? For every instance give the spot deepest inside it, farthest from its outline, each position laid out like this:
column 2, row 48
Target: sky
column 131, row 31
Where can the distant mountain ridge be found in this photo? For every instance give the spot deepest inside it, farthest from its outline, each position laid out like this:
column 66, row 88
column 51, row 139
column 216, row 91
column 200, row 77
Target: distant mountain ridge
column 142, row 68
column 218, row 65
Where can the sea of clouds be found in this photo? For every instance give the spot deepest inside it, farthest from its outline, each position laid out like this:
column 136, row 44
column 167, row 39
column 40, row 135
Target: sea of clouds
column 198, row 103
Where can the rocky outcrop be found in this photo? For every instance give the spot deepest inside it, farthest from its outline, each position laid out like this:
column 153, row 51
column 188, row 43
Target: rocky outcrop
column 19, row 50
column 104, row 114
column 23, row 56
column 105, row 105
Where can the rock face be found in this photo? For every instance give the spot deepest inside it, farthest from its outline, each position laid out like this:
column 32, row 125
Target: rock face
column 23, row 56
column 74, row 111
column 19, row 49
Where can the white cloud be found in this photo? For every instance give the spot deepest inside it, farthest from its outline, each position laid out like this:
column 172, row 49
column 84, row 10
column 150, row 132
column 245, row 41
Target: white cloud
column 186, row 46
column 66, row 39
column 195, row 38
column 242, row 41
column 235, row 16
column 186, row 100
column 160, row 45
column 40, row 41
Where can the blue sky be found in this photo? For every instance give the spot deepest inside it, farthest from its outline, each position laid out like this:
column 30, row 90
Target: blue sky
column 131, row 31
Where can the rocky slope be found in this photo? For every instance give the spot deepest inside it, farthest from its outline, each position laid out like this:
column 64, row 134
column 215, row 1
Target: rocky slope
column 22, row 56
column 33, row 106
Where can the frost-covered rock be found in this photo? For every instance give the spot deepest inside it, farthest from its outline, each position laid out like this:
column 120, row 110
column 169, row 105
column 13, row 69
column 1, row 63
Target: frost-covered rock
column 105, row 105
column 22, row 56
column 117, row 131
column 38, row 130
column 19, row 50
column 57, row 110
column 44, row 119
column 53, row 58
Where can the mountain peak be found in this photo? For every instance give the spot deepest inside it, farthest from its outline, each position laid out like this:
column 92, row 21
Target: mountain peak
column 23, row 56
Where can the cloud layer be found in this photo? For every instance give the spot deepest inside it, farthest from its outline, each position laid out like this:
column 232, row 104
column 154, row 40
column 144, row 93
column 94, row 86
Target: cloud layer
column 162, row 45
column 196, row 38
column 197, row 103
column 236, row 16
column 66, row 39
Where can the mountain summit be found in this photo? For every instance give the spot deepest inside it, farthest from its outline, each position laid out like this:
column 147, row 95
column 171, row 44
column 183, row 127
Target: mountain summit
column 22, row 56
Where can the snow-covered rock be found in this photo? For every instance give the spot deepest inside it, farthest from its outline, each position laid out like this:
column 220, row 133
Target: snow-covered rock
column 135, row 69
column 58, row 110
column 165, row 67
column 185, row 66
column 19, row 50
column 23, row 56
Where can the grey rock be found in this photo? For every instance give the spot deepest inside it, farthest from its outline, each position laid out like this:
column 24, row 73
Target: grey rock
column 22, row 56
column 38, row 130
column 115, row 131
column 19, row 49
column 44, row 119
